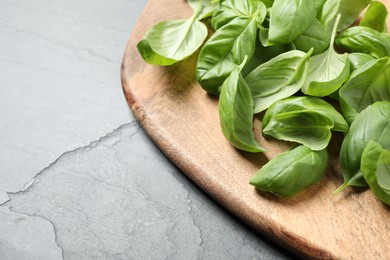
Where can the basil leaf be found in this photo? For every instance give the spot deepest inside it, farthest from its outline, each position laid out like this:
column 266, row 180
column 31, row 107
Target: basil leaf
column 329, row 12
column 236, row 112
column 327, row 71
column 289, row 19
column 231, row 9
column 315, row 37
column 291, row 172
column 375, row 167
column 319, row 5
column 375, row 17
column 278, row 78
column 226, row 48
column 151, row 57
column 357, row 59
column 350, row 11
column 307, row 103
column 309, row 128
column 207, row 7
column 373, row 123
column 368, row 84
column 366, row 40
column 170, row 41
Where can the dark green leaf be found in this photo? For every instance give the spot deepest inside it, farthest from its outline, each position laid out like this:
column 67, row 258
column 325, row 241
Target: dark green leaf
column 366, row 40
column 226, row 48
column 289, row 19
column 367, row 84
column 375, row 167
column 278, row 78
column 291, row 172
column 373, row 123
column 307, row 103
column 315, row 37
column 236, row 112
column 309, row 128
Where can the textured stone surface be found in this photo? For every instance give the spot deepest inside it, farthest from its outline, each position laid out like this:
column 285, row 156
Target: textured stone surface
column 60, row 85
column 84, row 181
column 105, row 204
column 27, row 237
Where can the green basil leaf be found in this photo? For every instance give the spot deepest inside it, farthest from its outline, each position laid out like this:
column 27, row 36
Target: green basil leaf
column 368, row 84
column 373, row 123
column 173, row 40
column 329, row 12
column 289, row 19
column 229, row 10
column 207, row 7
column 151, row 56
column 357, row 59
column 319, row 5
column 236, row 112
column 350, row 11
column 315, row 37
column 375, row 17
column 291, row 172
column 226, row 48
column 309, row 128
column 366, row 40
column 375, row 167
column 307, row 103
column 278, row 78
column 327, row 71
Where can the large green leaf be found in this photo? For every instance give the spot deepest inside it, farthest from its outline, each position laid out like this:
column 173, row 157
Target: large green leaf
column 375, row 166
column 226, row 48
column 327, row 71
column 171, row 41
column 309, row 128
column 278, row 78
column 289, row 19
column 236, row 112
column 373, row 123
column 375, row 17
column 368, row 84
column 366, row 40
column 291, row 172
column 307, row 103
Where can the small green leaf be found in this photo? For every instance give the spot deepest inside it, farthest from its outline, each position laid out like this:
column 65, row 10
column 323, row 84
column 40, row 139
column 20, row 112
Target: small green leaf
column 357, row 59
column 367, row 84
column 309, row 128
column 291, row 172
column 375, row 165
column 375, row 17
column 236, row 112
column 205, row 8
column 315, row 37
column 278, row 78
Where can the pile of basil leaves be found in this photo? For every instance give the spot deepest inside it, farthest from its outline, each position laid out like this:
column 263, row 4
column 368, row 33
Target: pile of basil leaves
column 289, row 58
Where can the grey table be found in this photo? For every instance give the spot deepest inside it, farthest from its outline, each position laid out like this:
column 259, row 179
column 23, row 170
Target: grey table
column 79, row 179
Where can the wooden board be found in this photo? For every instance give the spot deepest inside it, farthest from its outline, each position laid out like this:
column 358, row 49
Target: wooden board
column 183, row 121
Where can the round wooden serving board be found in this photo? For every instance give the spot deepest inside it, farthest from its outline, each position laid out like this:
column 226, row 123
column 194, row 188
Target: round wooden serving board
column 183, row 121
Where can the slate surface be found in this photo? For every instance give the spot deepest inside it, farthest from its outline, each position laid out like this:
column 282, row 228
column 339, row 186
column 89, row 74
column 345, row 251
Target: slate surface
column 79, row 179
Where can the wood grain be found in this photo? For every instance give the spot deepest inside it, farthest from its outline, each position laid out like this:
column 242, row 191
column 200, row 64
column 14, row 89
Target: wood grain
column 183, row 121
